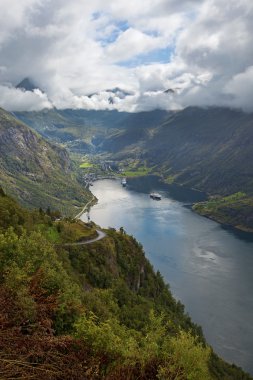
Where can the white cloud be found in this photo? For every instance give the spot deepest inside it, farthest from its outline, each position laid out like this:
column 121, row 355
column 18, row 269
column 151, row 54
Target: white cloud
column 14, row 99
column 72, row 49
column 240, row 89
column 133, row 42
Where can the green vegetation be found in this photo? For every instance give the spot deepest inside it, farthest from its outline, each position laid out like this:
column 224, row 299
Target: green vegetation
column 86, row 165
column 35, row 172
column 96, row 311
column 235, row 210
column 170, row 179
column 138, row 172
column 134, row 168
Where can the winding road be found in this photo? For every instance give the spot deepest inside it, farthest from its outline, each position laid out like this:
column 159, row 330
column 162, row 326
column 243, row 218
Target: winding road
column 101, row 235
column 85, row 207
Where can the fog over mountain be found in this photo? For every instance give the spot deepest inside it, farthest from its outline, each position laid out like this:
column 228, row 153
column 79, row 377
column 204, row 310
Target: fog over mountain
column 201, row 49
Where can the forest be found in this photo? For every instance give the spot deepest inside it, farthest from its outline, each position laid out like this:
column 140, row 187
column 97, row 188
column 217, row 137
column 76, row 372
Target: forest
column 95, row 311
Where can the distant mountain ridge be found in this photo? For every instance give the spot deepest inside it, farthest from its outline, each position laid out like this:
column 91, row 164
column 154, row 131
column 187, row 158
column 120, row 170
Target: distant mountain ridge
column 207, row 148
column 85, row 131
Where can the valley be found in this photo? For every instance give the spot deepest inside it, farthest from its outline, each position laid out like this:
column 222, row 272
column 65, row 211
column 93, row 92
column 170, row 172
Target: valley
column 209, row 149
column 54, row 172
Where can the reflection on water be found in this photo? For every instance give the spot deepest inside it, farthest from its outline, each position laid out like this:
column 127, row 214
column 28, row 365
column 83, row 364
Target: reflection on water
column 208, row 268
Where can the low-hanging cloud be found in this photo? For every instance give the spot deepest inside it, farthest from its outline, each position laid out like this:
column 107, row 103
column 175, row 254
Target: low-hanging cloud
column 15, row 99
column 75, row 49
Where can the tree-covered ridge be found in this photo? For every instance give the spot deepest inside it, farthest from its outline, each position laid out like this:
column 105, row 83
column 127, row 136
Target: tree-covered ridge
column 95, row 311
column 235, row 210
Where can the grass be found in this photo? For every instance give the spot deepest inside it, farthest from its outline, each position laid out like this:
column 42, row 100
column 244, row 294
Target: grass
column 51, row 233
column 136, row 172
column 73, row 231
column 135, row 169
column 66, row 231
column 86, row 165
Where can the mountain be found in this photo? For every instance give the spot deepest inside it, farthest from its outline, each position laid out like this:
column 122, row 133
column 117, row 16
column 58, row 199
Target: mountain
column 28, row 85
column 211, row 149
column 112, row 94
column 38, row 173
column 133, row 134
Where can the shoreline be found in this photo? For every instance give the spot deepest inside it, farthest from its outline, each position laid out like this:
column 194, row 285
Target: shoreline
column 85, row 207
column 237, row 229
column 227, row 226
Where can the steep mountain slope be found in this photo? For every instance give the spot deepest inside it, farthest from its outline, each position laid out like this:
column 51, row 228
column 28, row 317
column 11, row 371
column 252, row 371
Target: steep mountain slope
column 135, row 130
column 211, row 149
column 36, row 172
column 90, row 312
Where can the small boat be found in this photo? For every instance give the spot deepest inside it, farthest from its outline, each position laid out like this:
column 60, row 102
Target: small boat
column 155, row 196
column 124, row 182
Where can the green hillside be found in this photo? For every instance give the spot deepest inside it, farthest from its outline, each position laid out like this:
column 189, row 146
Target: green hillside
column 36, row 172
column 211, row 149
column 235, row 210
column 96, row 311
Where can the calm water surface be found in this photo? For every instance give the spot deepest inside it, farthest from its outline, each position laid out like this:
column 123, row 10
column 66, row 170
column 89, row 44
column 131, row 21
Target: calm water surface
column 209, row 269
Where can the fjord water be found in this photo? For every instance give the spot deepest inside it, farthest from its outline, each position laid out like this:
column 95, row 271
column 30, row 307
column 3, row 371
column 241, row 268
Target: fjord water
column 209, row 268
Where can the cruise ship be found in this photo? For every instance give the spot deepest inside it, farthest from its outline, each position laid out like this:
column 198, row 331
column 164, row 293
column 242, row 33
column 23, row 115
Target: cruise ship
column 155, row 196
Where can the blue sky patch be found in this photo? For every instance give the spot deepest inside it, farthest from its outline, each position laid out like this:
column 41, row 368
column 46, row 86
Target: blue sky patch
column 155, row 56
column 119, row 27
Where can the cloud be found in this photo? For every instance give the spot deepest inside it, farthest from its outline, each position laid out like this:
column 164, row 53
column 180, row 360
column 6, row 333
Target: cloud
column 14, row 99
column 73, row 49
column 240, row 89
column 131, row 43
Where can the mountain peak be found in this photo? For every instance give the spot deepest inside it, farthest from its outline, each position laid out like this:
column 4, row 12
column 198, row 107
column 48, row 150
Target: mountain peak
column 27, row 84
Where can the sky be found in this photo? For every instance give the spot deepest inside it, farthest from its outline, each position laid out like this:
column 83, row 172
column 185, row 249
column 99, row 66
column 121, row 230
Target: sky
column 77, row 51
